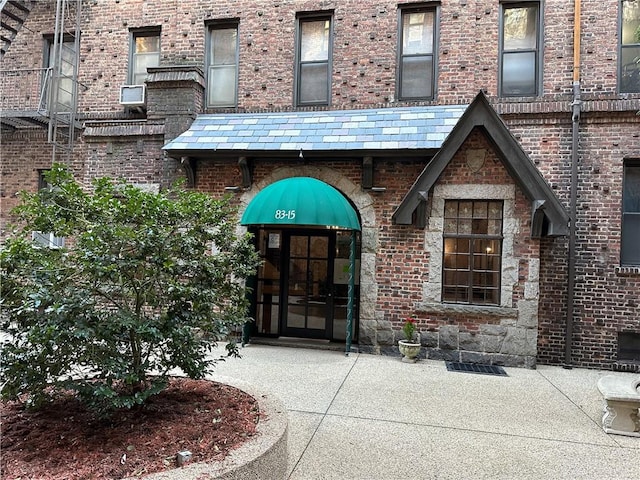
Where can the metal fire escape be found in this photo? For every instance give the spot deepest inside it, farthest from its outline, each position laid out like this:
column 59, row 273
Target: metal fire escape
column 43, row 97
column 14, row 13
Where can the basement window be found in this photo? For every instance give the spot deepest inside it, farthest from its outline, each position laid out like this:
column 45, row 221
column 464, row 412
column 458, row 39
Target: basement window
column 629, row 346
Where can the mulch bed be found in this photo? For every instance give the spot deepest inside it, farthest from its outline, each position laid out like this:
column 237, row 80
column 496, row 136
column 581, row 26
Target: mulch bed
column 64, row 441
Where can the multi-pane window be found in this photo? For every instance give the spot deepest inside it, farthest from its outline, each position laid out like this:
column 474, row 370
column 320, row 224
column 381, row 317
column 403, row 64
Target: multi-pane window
column 472, row 252
column 222, row 60
column 145, row 52
column 520, row 49
column 313, row 61
column 630, row 253
column 61, row 67
column 416, row 65
column 630, row 47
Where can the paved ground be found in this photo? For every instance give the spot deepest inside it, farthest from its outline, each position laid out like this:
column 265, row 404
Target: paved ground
column 374, row 417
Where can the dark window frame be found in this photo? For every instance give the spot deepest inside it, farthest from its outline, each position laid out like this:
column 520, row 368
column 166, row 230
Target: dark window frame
column 133, row 35
column 231, row 24
column 450, row 291
column 629, row 346
column 433, row 55
column 628, row 71
column 47, row 63
column 538, row 50
column 304, row 18
column 629, row 216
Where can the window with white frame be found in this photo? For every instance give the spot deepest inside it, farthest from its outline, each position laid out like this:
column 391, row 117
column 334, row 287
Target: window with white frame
column 520, row 49
column 145, row 52
column 416, row 71
column 313, row 69
column 630, row 253
column 630, row 47
column 46, row 239
column 222, row 65
column 472, row 252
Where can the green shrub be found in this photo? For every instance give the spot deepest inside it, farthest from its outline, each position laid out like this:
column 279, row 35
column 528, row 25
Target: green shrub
column 148, row 283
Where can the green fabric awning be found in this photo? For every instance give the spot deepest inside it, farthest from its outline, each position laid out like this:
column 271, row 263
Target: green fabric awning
column 301, row 201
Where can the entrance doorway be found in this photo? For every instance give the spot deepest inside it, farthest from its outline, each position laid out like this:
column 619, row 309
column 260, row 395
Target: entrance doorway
column 302, row 283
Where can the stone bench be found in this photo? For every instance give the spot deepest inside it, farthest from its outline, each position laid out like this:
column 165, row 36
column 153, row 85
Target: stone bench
column 622, row 401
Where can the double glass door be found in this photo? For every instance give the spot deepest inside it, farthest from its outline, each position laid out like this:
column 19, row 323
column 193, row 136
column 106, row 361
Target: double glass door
column 301, row 286
column 308, row 293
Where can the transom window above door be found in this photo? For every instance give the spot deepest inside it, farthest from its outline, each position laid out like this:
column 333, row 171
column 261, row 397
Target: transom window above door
column 472, row 252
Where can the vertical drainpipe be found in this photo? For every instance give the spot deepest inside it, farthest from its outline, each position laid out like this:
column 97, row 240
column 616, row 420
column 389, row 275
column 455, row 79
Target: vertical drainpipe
column 575, row 141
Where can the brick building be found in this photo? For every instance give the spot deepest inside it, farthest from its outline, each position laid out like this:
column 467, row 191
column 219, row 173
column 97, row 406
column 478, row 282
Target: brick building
column 489, row 152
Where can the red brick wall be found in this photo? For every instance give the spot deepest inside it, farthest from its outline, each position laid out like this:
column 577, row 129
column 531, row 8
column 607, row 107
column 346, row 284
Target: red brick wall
column 363, row 75
column 364, row 47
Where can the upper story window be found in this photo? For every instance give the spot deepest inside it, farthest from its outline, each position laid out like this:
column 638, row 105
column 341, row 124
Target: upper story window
column 61, row 64
column 416, row 72
column 472, row 252
column 313, row 58
column 630, row 253
column 520, row 45
column 630, row 47
column 222, row 66
column 145, row 52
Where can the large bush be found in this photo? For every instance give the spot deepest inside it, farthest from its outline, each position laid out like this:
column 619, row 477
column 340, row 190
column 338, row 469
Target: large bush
column 147, row 283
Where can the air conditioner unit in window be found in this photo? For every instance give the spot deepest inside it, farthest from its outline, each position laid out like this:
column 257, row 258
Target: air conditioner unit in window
column 133, row 95
column 47, row 239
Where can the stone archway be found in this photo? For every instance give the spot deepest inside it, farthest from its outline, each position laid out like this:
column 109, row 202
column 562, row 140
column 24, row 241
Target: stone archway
column 363, row 204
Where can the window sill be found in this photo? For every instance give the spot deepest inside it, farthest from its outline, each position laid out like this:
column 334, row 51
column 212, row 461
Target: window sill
column 627, row 271
column 484, row 310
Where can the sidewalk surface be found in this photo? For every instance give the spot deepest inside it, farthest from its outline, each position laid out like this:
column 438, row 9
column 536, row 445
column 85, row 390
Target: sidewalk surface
column 374, row 417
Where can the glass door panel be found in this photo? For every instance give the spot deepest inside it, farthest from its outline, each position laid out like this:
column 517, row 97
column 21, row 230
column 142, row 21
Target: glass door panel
column 268, row 282
column 307, row 286
column 301, row 288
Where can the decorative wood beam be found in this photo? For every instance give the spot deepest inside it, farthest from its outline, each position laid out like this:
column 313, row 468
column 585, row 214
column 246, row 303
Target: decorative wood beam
column 538, row 218
column 367, row 173
column 245, row 169
column 189, row 166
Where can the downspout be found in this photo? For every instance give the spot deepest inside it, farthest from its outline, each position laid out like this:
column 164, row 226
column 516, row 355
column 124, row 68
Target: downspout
column 573, row 200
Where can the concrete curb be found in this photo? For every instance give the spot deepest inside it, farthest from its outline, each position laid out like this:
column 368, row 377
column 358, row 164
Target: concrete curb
column 264, row 456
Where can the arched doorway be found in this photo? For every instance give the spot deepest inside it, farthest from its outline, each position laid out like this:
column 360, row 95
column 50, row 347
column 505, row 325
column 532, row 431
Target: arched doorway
column 307, row 233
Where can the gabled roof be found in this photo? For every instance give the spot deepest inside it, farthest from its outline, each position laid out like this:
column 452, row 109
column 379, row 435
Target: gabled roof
column 548, row 215
column 382, row 129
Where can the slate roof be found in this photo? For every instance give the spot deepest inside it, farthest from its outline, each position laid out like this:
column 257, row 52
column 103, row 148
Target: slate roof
column 480, row 114
column 409, row 128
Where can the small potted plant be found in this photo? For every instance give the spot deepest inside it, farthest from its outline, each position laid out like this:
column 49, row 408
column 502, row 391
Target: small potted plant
column 410, row 346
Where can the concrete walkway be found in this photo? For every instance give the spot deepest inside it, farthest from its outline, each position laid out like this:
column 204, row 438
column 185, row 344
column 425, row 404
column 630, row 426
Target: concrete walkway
column 374, row 417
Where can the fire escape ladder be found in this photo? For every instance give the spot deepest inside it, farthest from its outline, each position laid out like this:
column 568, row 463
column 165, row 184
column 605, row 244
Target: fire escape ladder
column 61, row 93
